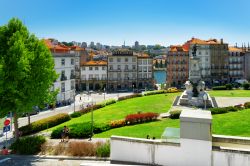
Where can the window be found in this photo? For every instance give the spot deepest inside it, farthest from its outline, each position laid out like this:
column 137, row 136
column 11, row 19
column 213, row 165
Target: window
column 91, row 76
column 103, row 68
column 119, row 75
column 72, row 85
column 126, row 67
column 97, row 76
column 134, row 68
column 111, row 75
column 110, row 67
column 118, row 59
column 199, row 52
column 72, row 74
column 134, row 75
column 90, row 68
column 126, row 59
column 96, row 68
column 145, row 75
column 103, row 76
column 144, row 62
column 126, row 76
column 149, row 75
column 62, row 87
column 140, row 68
column 118, row 67
column 133, row 60
column 63, row 62
column 145, row 69
column 140, row 62
column 63, row 73
column 83, row 77
column 72, row 62
column 206, row 52
column 110, row 59
column 83, row 68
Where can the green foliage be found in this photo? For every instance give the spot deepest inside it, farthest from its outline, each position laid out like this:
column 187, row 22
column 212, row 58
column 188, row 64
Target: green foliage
column 229, row 86
column 154, row 92
column 108, row 102
column 219, row 88
column 247, row 104
column 81, row 130
column 156, row 64
column 129, row 97
column 246, row 86
column 175, row 114
column 223, row 110
column 75, row 115
column 103, row 150
column 44, row 123
column 26, row 69
column 28, row 145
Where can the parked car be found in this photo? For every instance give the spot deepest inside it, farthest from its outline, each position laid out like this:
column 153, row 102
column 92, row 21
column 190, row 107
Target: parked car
column 35, row 111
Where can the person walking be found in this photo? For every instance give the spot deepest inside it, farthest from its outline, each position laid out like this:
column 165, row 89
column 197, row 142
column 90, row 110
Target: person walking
column 65, row 134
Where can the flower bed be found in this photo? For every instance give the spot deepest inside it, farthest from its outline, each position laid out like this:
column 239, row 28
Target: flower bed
column 140, row 117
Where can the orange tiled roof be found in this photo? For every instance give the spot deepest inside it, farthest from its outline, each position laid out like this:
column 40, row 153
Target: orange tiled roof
column 177, row 48
column 95, row 63
column 55, row 47
column 77, row 48
column 234, row 49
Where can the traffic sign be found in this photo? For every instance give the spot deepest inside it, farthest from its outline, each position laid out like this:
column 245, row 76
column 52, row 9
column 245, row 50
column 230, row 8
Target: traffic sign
column 6, row 122
column 6, row 128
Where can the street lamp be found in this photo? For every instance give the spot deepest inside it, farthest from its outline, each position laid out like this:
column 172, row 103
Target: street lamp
column 205, row 97
column 104, row 93
column 92, row 120
column 133, row 88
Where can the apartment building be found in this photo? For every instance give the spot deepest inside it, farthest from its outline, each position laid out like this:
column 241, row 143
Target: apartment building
column 177, row 65
column 129, row 71
column 236, row 64
column 93, row 75
column 247, row 65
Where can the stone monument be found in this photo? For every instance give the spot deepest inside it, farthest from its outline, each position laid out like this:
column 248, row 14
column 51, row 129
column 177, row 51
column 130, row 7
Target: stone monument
column 195, row 94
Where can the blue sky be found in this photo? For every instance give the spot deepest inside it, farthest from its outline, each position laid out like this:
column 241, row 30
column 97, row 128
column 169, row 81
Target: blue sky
column 148, row 21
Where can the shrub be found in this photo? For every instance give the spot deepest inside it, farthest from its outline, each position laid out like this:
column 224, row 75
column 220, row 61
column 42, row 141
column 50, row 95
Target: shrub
column 129, row 96
column 229, row 86
column 155, row 92
column 108, row 102
column 232, row 109
column 219, row 88
column 81, row 130
column 246, row 86
column 247, row 104
column 140, row 117
column 239, row 106
column 44, row 124
column 218, row 110
column 172, row 90
column 175, row 114
column 75, row 115
column 28, row 145
column 103, row 150
column 90, row 108
column 77, row 148
column 117, row 123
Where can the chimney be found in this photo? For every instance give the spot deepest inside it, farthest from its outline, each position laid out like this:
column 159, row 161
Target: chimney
column 221, row 41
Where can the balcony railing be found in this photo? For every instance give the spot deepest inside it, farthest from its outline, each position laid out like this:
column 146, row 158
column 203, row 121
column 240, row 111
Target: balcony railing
column 93, row 79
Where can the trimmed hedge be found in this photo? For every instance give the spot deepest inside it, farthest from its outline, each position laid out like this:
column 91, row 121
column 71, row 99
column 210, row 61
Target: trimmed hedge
column 108, row 102
column 175, row 114
column 44, row 124
column 219, row 88
column 246, row 86
column 75, row 115
column 90, row 108
column 28, row 145
column 130, row 96
column 229, row 86
column 223, row 110
column 247, row 105
column 155, row 92
column 81, row 130
column 140, row 117
column 117, row 123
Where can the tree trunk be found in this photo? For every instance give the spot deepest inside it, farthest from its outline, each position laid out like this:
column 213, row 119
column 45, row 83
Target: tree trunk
column 28, row 118
column 16, row 126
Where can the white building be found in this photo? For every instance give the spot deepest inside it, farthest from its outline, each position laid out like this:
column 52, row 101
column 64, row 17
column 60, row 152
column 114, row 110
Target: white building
column 236, row 64
column 145, row 72
column 65, row 67
column 94, row 75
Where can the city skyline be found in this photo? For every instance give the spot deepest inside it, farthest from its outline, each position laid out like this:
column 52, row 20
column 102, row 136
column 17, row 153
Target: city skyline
column 149, row 22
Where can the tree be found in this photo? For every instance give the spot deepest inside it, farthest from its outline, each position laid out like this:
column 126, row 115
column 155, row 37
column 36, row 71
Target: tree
column 26, row 70
column 161, row 65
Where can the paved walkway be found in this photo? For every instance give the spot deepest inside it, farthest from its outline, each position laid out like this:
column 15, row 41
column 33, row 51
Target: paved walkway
column 231, row 101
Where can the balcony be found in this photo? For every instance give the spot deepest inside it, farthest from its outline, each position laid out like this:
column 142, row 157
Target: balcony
column 63, row 78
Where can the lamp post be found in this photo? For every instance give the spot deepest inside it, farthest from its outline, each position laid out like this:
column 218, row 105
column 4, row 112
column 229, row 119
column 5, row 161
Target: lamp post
column 205, row 100
column 133, row 88
column 74, row 100
column 92, row 120
column 104, row 93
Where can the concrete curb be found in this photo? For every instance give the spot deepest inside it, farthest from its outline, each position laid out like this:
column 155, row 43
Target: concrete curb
column 61, row 157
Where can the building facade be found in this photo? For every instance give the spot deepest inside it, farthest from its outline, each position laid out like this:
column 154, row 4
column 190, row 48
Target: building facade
column 128, row 71
column 236, row 64
column 247, row 65
column 177, row 66
column 94, row 75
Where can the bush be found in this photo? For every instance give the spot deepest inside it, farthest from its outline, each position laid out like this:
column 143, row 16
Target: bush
column 247, row 104
column 103, row 150
column 232, row 109
column 218, row 110
column 77, row 148
column 219, row 88
column 129, row 96
column 155, row 92
column 75, row 115
column 117, row 123
column 246, row 86
column 229, row 86
column 90, row 108
column 81, row 130
column 140, row 117
column 175, row 114
column 108, row 102
column 28, row 145
column 44, row 124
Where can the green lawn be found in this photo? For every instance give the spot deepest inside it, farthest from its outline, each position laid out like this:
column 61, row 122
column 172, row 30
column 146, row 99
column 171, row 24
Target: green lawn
column 229, row 93
column 154, row 103
column 234, row 123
